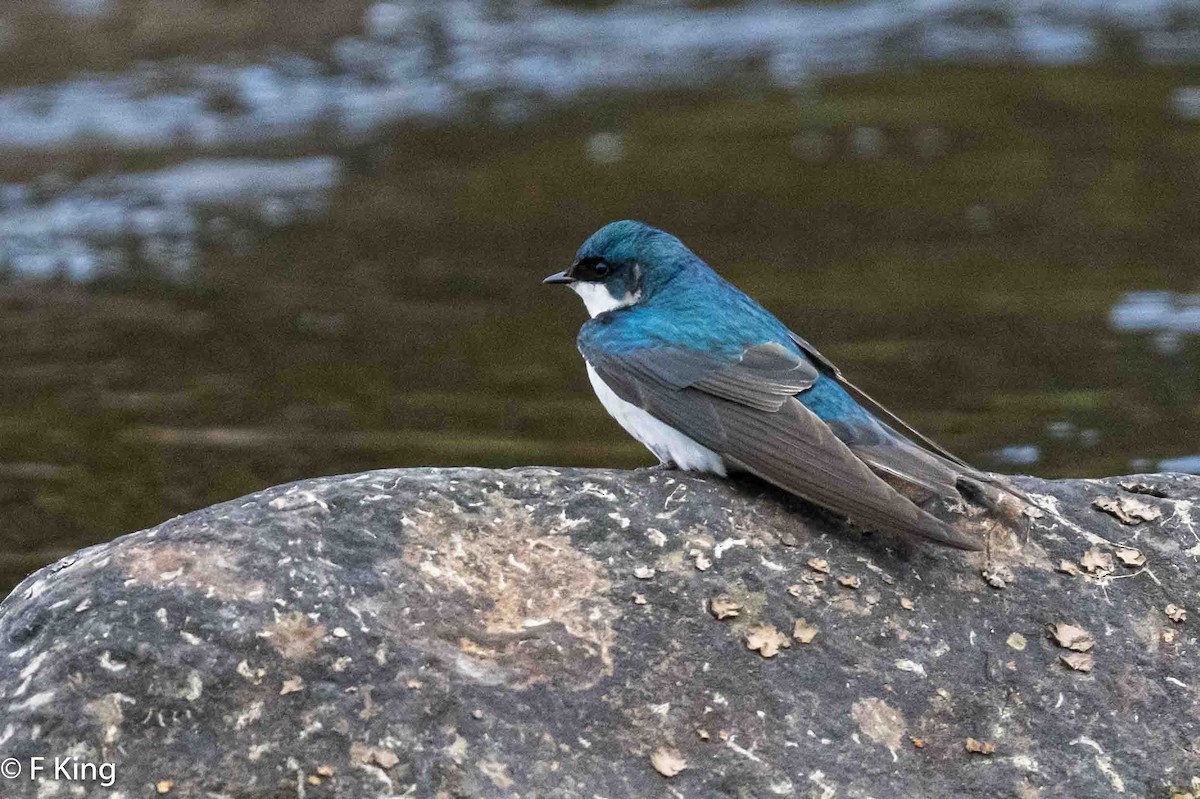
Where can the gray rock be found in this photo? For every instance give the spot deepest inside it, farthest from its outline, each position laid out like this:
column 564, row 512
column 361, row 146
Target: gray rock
column 540, row 632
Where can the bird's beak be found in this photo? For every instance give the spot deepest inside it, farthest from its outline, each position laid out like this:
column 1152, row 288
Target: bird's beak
column 559, row 277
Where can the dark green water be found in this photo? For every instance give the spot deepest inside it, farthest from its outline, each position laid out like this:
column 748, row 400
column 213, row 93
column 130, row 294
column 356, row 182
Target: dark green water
column 960, row 260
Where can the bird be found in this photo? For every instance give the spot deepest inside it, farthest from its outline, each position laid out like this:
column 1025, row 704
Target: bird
column 710, row 381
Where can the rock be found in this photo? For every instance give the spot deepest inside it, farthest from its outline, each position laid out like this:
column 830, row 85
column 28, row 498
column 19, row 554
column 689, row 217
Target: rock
column 474, row 633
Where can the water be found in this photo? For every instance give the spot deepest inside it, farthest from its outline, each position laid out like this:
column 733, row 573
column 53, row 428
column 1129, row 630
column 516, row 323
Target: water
column 106, row 224
column 223, row 272
column 474, row 61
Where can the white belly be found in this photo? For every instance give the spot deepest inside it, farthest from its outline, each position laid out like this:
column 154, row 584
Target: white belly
column 668, row 444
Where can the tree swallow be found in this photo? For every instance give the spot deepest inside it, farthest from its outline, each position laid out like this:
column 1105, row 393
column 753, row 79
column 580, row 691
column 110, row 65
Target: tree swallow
column 710, row 381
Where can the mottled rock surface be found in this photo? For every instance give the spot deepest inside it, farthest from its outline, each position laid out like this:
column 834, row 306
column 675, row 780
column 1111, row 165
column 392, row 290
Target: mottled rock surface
column 552, row 633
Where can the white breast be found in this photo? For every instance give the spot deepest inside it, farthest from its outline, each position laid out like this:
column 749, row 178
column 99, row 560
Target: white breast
column 668, row 444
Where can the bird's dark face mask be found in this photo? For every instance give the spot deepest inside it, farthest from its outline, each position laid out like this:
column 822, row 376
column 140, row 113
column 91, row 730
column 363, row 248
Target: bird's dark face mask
column 603, row 286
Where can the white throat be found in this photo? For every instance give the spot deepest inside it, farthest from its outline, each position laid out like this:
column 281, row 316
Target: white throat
column 598, row 299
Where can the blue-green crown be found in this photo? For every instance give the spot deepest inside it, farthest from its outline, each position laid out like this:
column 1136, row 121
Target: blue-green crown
column 659, row 255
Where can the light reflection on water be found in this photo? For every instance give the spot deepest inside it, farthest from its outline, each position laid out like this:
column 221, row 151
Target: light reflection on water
column 1188, row 463
column 413, row 60
column 1170, row 316
column 102, row 225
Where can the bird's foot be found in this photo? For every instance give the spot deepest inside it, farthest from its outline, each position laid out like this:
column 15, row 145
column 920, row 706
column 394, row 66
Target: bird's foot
column 658, row 468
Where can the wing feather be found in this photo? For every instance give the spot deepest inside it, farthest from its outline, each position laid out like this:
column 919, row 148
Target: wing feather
column 766, row 376
column 874, row 406
column 747, row 412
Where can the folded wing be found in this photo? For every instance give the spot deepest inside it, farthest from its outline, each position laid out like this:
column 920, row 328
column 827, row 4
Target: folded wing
column 873, row 405
column 910, row 455
column 746, row 411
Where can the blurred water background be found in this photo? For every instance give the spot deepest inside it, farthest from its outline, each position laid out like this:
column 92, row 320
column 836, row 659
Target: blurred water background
column 248, row 241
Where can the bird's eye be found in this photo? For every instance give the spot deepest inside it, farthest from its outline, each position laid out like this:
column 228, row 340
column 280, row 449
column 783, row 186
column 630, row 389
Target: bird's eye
column 591, row 269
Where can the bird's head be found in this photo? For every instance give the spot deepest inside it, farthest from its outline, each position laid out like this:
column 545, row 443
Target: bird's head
column 622, row 264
